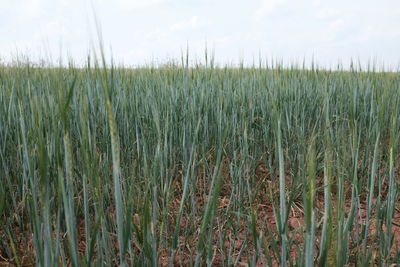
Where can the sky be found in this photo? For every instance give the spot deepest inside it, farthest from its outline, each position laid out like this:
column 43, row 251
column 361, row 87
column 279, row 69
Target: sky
column 140, row 32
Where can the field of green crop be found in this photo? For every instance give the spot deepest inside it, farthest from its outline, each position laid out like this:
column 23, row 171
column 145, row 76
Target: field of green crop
column 202, row 165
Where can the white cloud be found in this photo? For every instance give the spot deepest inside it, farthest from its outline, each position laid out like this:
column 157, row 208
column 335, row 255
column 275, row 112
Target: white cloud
column 326, row 13
column 142, row 30
column 194, row 22
column 136, row 4
column 267, row 7
column 31, row 8
column 336, row 25
column 64, row 3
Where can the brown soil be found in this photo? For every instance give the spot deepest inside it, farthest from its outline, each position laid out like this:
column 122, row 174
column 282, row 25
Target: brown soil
column 240, row 243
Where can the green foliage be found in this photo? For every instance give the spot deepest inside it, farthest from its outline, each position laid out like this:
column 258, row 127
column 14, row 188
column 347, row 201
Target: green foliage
column 102, row 165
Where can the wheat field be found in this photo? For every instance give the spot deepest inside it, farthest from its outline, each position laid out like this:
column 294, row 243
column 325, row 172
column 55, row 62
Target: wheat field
column 203, row 165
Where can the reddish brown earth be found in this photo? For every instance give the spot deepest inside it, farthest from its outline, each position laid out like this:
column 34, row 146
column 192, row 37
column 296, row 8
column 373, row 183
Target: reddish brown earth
column 242, row 240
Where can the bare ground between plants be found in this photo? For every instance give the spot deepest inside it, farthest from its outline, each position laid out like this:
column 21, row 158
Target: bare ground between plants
column 240, row 240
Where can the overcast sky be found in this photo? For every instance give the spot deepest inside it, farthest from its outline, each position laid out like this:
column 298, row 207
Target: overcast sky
column 141, row 31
